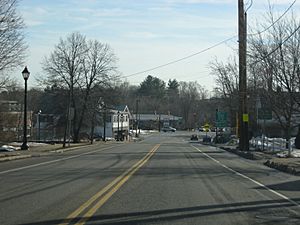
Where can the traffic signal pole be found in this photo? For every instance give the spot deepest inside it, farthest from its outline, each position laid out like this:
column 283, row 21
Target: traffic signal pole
column 243, row 111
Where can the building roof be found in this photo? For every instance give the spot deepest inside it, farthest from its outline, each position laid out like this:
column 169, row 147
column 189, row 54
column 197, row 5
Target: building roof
column 121, row 109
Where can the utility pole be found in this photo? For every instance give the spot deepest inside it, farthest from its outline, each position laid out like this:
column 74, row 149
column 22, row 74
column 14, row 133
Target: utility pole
column 243, row 111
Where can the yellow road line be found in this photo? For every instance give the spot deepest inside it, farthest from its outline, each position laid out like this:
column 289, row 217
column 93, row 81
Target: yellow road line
column 118, row 182
column 93, row 210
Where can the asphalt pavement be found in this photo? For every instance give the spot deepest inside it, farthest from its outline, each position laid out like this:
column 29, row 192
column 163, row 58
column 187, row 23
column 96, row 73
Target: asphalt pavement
column 164, row 179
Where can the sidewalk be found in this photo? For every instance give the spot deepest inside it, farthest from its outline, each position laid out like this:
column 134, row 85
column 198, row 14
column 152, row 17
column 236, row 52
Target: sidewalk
column 39, row 149
column 36, row 150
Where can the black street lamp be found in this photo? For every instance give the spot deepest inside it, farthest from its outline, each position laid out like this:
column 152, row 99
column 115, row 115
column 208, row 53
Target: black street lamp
column 104, row 120
column 39, row 124
column 118, row 134
column 122, row 119
column 25, row 74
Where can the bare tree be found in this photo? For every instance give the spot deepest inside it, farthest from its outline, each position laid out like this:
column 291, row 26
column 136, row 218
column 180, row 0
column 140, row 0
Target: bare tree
column 99, row 65
column 226, row 77
column 80, row 66
column 12, row 44
column 275, row 54
column 189, row 95
column 64, row 68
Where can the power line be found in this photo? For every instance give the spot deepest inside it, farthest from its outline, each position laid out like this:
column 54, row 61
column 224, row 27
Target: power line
column 273, row 23
column 193, row 76
column 211, row 47
column 181, row 59
column 279, row 45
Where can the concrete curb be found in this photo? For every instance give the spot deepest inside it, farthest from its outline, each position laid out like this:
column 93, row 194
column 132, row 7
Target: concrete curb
column 10, row 158
column 246, row 155
column 62, row 150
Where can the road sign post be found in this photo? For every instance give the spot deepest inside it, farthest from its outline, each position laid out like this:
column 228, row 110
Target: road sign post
column 264, row 114
column 221, row 119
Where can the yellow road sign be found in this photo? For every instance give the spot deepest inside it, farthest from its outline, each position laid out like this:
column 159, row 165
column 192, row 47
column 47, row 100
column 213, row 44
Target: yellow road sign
column 245, row 117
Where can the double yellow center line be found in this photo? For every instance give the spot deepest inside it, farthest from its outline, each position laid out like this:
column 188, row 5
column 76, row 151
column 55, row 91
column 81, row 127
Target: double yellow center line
column 98, row 200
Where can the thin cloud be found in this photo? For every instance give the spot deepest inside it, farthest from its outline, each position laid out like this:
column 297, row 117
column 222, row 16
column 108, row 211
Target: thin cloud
column 142, row 35
column 202, row 1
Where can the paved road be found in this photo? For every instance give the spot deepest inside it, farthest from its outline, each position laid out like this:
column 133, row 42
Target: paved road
column 164, row 179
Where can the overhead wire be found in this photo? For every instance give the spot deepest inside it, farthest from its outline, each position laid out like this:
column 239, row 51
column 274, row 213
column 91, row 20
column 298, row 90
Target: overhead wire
column 213, row 46
column 275, row 49
column 181, row 59
column 274, row 22
column 198, row 76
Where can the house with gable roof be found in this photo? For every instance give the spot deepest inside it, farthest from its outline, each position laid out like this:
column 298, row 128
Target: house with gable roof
column 116, row 122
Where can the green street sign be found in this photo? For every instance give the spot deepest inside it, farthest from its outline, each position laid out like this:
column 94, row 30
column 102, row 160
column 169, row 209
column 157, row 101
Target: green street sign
column 264, row 114
column 221, row 119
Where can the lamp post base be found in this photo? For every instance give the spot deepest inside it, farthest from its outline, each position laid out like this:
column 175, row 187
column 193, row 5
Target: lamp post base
column 24, row 146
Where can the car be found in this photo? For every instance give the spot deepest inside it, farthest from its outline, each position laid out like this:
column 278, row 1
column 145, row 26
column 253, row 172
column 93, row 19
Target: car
column 207, row 139
column 167, row 129
column 201, row 129
column 194, row 137
column 7, row 148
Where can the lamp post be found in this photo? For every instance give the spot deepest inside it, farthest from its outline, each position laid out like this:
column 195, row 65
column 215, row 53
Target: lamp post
column 104, row 120
column 139, row 123
column 122, row 119
column 118, row 133
column 136, row 118
column 39, row 124
column 25, row 74
column 217, row 119
column 195, row 125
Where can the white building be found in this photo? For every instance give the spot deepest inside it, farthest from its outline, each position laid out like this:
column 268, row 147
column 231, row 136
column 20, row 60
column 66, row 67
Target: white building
column 117, row 122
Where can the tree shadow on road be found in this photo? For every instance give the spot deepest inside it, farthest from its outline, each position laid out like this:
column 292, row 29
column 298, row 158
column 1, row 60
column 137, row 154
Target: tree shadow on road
column 176, row 214
column 285, row 186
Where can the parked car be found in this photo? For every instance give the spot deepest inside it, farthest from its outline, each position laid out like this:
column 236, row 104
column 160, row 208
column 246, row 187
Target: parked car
column 206, row 139
column 201, row 129
column 194, row 137
column 167, row 129
column 7, row 148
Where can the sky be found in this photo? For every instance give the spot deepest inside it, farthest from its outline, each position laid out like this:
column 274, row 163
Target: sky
column 143, row 33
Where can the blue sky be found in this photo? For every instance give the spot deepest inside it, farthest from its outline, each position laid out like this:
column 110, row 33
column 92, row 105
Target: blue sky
column 142, row 33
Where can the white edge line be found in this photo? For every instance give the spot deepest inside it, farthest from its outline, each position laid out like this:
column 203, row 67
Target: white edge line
column 248, row 178
column 53, row 161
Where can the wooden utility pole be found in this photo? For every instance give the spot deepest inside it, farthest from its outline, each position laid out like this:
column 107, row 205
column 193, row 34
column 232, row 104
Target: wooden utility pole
column 243, row 111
